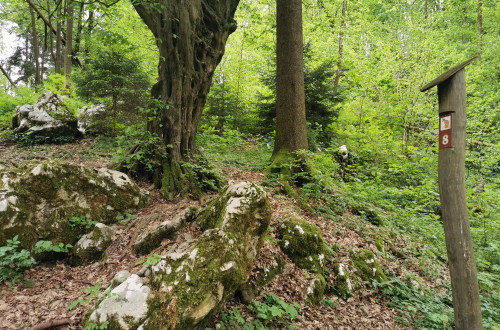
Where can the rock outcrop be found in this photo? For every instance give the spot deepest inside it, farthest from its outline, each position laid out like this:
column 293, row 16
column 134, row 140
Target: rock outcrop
column 192, row 281
column 90, row 119
column 151, row 239
column 303, row 243
column 92, row 245
column 367, row 266
column 37, row 200
column 49, row 118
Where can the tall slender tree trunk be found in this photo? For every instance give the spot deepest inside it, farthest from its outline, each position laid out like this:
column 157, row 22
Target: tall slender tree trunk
column 58, row 61
column 291, row 127
column 36, row 49
column 479, row 28
column 338, row 74
column 68, row 53
column 191, row 37
column 79, row 28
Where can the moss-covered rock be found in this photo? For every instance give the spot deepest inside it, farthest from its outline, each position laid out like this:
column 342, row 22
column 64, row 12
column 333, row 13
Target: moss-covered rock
column 126, row 306
column 192, row 282
column 151, row 239
column 92, row 245
column 303, row 243
column 315, row 290
column 367, row 266
column 259, row 278
column 91, row 119
column 37, row 199
column 48, row 118
column 344, row 286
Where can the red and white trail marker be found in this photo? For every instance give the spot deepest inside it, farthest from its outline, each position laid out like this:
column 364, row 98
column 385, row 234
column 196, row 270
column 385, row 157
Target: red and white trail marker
column 445, row 131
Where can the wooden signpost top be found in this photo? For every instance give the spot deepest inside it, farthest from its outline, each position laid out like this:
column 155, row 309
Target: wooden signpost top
column 445, row 76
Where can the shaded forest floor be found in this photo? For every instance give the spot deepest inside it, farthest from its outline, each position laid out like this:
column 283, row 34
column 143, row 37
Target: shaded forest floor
column 48, row 289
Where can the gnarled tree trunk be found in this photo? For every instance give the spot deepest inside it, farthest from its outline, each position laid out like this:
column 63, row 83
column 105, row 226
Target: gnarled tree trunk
column 191, row 37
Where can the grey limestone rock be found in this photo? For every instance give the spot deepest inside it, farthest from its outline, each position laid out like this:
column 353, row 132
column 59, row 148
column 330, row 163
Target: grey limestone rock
column 49, row 118
column 92, row 245
column 194, row 279
column 37, row 200
column 89, row 117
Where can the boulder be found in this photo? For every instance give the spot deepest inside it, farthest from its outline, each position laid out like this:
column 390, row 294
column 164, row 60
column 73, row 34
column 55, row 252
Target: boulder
column 92, row 245
column 367, row 266
column 90, row 119
column 344, row 287
column 38, row 200
column 49, row 118
column 315, row 290
column 303, row 243
column 125, row 307
column 151, row 239
column 192, row 281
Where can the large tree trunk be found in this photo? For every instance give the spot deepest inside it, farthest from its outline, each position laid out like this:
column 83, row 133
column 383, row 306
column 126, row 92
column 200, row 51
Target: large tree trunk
column 191, row 37
column 291, row 127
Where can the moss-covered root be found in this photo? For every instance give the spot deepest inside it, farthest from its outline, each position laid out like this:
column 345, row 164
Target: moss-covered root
column 190, row 178
column 303, row 243
column 367, row 266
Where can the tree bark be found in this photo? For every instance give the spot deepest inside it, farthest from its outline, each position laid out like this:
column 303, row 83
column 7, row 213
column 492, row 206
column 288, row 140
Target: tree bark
column 479, row 28
column 59, row 41
column 191, row 37
column 338, row 74
column 79, row 28
column 291, row 127
column 36, row 50
column 68, row 53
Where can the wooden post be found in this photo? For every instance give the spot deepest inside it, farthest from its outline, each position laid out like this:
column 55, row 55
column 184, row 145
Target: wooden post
column 451, row 172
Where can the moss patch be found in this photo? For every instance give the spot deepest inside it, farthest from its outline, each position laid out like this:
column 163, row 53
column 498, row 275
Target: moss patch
column 303, row 243
column 367, row 266
column 315, row 290
column 344, row 285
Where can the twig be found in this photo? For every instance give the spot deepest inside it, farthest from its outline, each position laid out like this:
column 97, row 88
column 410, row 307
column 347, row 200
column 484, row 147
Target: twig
column 51, row 324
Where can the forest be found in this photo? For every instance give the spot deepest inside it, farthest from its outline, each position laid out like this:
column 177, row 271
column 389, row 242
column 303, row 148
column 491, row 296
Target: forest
column 253, row 164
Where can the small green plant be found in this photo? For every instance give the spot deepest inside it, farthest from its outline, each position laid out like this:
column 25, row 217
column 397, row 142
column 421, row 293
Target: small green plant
column 150, row 260
column 13, row 260
column 48, row 246
column 92, row 291
column 81, row 222
column 274, row 311
column 233, row 320
column 329, row 303
column 95, row 326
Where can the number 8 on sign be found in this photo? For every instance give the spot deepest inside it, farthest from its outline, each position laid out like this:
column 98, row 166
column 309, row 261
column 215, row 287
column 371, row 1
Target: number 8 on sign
column 445, row 131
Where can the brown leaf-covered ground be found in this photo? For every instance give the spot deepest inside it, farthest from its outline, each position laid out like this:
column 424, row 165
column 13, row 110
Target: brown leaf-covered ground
column 48, row 289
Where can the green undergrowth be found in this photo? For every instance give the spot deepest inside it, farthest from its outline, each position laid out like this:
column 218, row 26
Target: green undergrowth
column 393, row 201
column 270, row 313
